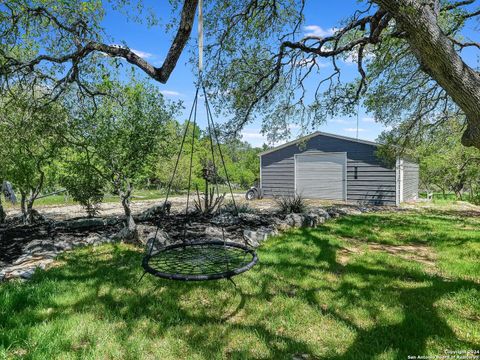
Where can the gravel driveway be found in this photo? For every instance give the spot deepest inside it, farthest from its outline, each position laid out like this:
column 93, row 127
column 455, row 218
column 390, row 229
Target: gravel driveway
column 63, row 212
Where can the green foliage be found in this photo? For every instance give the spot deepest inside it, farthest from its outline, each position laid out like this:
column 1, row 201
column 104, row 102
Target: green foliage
column 317, row 293
column 125, row 133
column 32, row 136
column 83, row 183
column 445, row 164
column 128, row 140
column 290, row 204
column 241, row 161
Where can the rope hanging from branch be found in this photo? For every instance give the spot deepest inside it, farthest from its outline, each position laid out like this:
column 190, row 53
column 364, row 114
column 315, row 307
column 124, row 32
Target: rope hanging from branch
column 200, row 36
column 201, row 258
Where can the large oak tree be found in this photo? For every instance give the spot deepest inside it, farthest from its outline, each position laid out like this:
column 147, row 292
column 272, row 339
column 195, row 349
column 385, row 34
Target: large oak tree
column 408, row 55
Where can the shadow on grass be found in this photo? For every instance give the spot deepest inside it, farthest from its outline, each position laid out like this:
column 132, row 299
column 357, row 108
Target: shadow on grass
column 302, row 265
column 398, row 228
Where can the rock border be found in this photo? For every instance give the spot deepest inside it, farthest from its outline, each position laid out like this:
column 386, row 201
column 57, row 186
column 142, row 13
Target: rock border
column 251, row 228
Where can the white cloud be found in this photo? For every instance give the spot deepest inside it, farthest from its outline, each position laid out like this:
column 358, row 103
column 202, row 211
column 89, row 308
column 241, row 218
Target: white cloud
column 368, row 119
column 170, row 93
column 254, row 137
column 315, row 30
column 354, row 129
column 142, row 54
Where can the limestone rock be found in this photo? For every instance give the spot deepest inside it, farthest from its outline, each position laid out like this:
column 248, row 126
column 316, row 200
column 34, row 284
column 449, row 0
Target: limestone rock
column 320, row 211
column 39, row 246
column 155, row 211
column 145, row 231
column 80, row 224
column 295, row 220
column 225, row 219
column 213, row 231
column 150, row 234
column 257, row 236
column 313, row 220
column 251, row 219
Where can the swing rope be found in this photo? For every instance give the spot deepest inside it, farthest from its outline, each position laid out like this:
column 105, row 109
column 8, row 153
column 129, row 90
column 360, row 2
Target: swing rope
column 202, row 258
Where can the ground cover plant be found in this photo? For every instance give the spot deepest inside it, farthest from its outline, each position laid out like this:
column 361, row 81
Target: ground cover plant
column 382, row 285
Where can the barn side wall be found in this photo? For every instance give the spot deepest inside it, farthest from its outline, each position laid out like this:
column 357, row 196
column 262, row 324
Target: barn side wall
column 410, row 180
column 375, row 183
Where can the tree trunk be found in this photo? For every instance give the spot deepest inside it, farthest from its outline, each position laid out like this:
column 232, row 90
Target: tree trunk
column 443, row 193
column 29, row 213
column 27, row 207
column 23, row 206
column 130, row 233
column 206, row 195
column 438, row 58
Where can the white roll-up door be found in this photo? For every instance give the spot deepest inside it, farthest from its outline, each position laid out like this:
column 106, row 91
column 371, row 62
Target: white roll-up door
column 321, row 175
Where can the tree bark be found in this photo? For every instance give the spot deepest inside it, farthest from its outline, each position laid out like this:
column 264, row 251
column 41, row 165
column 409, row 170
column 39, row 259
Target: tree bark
column 26, row 206
column 23, row 206
column 29, row 212
column 444, row 194
column 130, row 233
column 438, row 58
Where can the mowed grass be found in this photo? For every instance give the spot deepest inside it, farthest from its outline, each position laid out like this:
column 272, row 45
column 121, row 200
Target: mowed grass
column 299, row 300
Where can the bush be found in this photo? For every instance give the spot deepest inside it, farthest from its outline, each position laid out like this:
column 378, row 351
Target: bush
column 290, row 204
column 85, row 186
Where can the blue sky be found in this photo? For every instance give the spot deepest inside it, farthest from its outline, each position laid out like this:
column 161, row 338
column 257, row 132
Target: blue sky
column 320, row 18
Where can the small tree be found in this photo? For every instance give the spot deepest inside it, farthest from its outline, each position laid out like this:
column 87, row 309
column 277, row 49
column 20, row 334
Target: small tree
column 445, row 164
column 121, row 136
column 31, row 134
column 83, row 183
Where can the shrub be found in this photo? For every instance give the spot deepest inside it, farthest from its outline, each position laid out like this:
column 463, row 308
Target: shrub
column 290, row 204
column 85, row 186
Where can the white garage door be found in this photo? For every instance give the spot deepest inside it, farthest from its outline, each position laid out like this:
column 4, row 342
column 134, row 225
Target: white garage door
column 321, row 175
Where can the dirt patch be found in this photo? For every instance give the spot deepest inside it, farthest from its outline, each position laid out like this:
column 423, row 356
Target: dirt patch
column 421, row 253
column 344, row 254
column 65, row 212
column 416, row 252
column 456, row 208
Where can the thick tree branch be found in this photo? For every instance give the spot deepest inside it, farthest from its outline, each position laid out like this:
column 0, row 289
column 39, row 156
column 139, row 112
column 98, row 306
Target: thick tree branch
column 77, row 30
column 437, row 56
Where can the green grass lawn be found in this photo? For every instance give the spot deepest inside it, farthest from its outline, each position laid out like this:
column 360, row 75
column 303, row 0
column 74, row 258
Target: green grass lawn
column 321, row 293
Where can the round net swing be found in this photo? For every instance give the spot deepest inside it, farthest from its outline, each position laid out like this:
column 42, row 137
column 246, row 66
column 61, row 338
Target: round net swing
column 201, row 258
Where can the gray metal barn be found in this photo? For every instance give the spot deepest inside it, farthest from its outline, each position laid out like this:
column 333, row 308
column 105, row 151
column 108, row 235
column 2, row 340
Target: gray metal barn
column 333, row 167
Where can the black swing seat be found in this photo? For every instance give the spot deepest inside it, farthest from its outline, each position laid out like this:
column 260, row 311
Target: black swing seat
column 199, row 260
